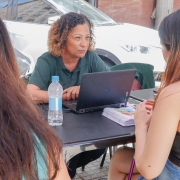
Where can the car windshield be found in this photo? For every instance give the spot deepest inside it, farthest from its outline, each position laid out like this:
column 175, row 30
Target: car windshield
column 97, row 17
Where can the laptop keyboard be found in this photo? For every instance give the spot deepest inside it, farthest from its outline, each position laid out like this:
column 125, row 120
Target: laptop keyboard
column 70, row 104
column 73, row 105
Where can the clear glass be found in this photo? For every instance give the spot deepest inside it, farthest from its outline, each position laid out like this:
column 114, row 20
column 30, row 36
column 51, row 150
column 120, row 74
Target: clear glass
column 55, row 113
column 32, row 11
column 37, row 11
column 96, row 16
column 55, row 118
column 12, row 9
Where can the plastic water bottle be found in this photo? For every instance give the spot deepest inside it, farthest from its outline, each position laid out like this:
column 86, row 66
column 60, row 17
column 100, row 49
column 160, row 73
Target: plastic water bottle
column 55, row 91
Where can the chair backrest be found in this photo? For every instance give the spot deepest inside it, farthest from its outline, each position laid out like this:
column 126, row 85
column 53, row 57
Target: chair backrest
column 136, row 85
column 144, row 78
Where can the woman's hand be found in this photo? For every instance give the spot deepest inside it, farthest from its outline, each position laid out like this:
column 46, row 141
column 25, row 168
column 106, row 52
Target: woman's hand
column 71, row 93
column 143, row 113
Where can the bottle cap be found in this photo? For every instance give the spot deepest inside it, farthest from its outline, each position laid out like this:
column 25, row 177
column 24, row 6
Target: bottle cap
column 55, row 78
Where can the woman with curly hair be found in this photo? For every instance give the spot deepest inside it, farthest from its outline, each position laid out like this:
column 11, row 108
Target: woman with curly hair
column 29, row 147
column 71, row 44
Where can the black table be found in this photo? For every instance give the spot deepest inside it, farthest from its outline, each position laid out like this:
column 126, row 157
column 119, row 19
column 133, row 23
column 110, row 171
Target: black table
column 141, row 95
column 91, row 128
column 81, row 132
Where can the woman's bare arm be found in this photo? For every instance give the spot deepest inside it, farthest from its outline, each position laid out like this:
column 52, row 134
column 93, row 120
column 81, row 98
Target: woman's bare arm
column 36, row 94
column 62, row 173
column 153, row 145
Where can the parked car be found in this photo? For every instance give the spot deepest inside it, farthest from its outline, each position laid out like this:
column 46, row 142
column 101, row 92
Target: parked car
column 115, row 42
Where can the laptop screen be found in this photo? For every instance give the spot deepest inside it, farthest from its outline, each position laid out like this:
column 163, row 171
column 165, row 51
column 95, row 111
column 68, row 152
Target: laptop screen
column 104, row 89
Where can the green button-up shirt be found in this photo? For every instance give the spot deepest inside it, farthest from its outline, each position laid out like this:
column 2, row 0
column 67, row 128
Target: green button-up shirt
column 48, row 65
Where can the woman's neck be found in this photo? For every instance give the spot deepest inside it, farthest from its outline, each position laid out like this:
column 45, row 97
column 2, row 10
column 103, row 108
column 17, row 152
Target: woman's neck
column 70, row 63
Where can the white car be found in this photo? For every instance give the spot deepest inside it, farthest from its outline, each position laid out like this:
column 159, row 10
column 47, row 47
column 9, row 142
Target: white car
column 115, row 42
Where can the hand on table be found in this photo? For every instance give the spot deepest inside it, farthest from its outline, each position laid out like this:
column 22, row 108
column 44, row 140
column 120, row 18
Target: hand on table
column 143, row 113
column 71, row 93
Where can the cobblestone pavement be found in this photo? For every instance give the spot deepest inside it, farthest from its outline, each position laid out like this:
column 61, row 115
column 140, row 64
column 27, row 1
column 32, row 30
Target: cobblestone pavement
column 92, row 170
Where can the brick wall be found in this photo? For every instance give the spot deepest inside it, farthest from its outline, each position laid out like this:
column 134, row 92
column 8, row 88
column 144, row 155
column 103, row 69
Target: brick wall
column 132, row 11
column 176, row 5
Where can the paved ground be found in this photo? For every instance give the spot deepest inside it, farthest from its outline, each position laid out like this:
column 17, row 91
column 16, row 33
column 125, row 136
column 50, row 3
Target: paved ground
column 92, row 171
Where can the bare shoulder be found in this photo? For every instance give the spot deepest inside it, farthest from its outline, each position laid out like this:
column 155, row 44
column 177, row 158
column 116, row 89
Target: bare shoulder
column 171, row 92
column 169, row 101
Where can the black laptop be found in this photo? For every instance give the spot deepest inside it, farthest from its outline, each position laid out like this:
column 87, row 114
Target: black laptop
column 102, row 89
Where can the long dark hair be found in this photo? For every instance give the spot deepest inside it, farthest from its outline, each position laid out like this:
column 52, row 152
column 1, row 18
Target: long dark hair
column 20, row 120
column 169, row 33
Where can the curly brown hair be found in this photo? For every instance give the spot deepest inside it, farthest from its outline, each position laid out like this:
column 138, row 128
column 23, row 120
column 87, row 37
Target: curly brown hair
column 59, row 31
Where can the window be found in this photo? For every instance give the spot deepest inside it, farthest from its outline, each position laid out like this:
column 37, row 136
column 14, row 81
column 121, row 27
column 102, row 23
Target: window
column 34, row 11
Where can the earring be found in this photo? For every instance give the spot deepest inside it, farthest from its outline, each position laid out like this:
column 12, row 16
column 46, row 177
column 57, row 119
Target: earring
column 64, row 50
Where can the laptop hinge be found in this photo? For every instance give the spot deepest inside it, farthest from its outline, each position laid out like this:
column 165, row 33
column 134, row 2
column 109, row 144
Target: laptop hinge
column 122, row 105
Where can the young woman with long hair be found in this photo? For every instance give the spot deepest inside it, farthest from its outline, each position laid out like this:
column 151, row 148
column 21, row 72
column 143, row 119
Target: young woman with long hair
column 29, row 148
column 157, row 152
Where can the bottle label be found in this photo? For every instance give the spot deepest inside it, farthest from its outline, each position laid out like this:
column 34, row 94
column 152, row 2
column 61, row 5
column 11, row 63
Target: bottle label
column 55, row 104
